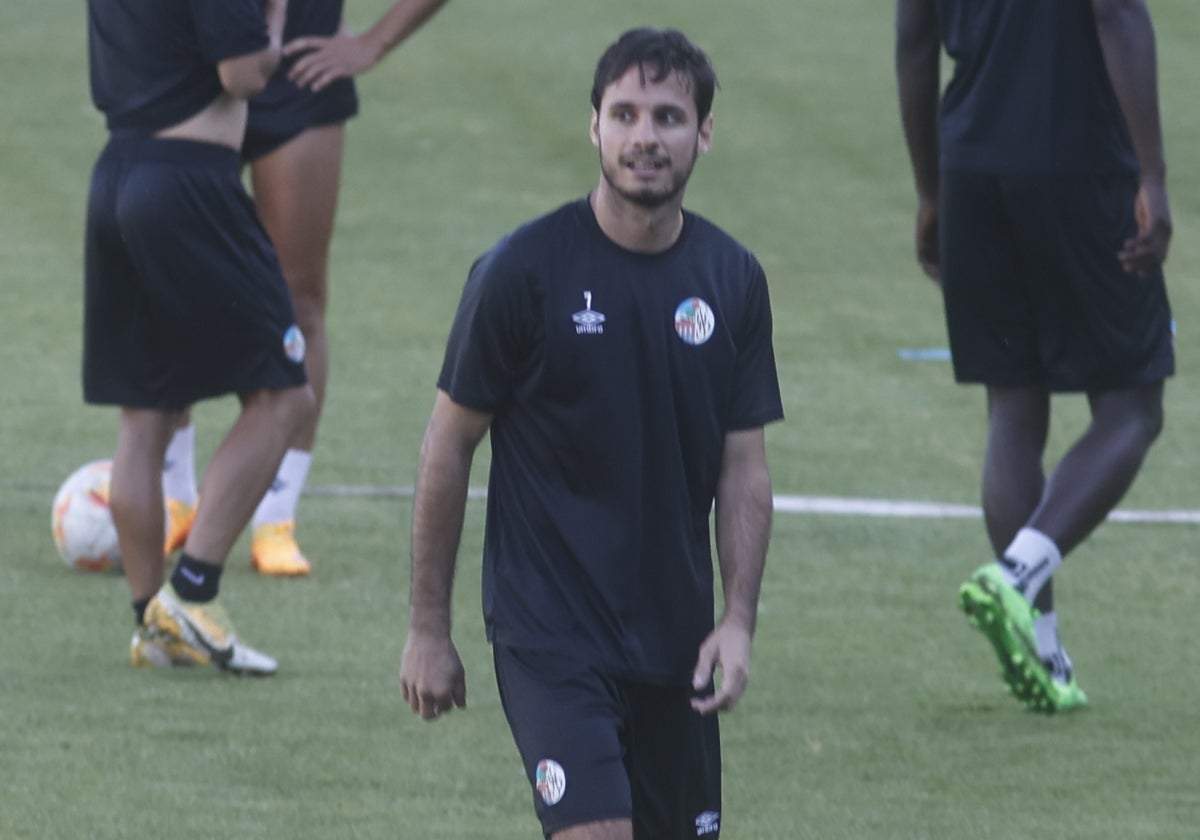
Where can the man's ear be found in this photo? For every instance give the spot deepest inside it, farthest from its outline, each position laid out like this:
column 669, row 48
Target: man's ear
column 704, row 142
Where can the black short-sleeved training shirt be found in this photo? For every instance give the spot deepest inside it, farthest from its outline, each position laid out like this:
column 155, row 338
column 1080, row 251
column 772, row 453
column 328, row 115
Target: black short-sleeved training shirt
column 153, row 63
column 613, row 378
column 1030, row 93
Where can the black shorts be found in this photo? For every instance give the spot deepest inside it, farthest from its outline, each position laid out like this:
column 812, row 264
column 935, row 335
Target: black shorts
column 184, row 298
column 1034, row 293
column 283, row 110
column 598, row 748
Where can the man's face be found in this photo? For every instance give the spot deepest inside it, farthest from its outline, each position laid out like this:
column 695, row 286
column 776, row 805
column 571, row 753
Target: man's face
column 648, row 137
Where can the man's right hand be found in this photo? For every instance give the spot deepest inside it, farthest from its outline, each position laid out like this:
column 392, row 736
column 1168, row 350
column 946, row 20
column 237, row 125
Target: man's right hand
column 432, row 679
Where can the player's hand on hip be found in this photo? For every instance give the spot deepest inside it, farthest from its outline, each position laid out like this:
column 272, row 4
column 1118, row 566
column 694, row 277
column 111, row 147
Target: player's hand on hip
column 324, row 60
column 432, row 679
column 727, row 648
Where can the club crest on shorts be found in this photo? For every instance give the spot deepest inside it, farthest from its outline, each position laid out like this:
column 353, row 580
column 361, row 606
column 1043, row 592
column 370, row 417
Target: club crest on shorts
column 694, row 321
column 551, row 781
column 293, row 344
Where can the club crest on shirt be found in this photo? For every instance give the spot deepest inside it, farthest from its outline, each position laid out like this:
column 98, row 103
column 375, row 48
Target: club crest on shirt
column 587, row 320
column 551, row 781
column 694, row 321
column 293, row 344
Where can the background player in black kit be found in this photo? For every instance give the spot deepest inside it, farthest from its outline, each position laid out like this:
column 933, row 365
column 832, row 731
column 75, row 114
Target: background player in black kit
column 184, row 299
column 1043, row 213
column 295, row 137
column 619, row 351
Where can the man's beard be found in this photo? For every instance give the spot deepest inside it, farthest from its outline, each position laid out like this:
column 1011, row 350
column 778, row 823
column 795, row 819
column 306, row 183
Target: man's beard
column 650, row 199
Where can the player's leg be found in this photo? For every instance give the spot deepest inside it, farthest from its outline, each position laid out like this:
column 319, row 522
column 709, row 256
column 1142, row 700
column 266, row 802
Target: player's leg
column 567, row 722
column 602, row 830
column 1089, row 481
column 994, row 341
column 179, row 482
column 1013, row 477
column 136, row 499
column 243, row 466
column 223, row 323
column 119, row 359
column 1101, row 331
column 296, row 189
column 1014, row 484
column 1094, row 474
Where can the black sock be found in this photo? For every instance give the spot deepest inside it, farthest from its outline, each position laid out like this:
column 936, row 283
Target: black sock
column 196, row 580
column 139, row 610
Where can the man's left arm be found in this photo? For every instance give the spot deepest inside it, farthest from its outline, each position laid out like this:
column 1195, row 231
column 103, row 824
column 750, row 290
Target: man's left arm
column 1126, row 36
column 743, row 515
column 346, row 54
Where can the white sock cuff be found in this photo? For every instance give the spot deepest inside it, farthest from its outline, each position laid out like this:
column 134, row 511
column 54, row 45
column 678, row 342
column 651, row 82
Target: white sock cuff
column 185, row 436
column 1045, row 630
column 279, row 503
column 1032, row 547
column 179, row 465
column 295, row 464
column 1032, row 558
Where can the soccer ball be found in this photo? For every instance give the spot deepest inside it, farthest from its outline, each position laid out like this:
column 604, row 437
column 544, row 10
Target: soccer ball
column 81, row 522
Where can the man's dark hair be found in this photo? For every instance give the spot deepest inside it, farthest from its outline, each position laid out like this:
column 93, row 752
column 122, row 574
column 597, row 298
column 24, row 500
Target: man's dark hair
column 657, row 53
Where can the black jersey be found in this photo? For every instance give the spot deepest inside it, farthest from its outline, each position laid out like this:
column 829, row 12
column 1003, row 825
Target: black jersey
column 153, row 63
column 1030, row 92
column 613, row 378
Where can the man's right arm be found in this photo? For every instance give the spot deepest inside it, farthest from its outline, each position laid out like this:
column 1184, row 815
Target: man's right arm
column 918, row 74
column 245, row 75
column 431, row 674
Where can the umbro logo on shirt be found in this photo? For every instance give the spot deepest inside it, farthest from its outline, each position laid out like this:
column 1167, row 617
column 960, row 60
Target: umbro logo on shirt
column 708, row 822
column 587, row 320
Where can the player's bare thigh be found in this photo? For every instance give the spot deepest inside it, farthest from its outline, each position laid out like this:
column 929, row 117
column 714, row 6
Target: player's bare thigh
column 603, row 830
column 296, row 190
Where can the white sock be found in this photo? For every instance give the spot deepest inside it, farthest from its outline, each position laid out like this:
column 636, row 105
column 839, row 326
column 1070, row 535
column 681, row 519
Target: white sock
column 179, row 466
column 1049, row 647
column 279, row 502
column 1030, row 561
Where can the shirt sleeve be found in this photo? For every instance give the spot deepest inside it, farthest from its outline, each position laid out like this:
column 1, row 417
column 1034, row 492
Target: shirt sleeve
column 756, row 400
column 493, row 336
column 229, row 28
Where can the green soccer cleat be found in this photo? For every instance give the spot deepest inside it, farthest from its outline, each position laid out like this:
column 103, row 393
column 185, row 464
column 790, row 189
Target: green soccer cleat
column 204, row 633
column 1001, row 613
column 1062, row 697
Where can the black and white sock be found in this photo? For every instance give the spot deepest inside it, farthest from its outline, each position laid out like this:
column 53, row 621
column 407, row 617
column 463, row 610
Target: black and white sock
column 1029, row 561
column 1050, row 649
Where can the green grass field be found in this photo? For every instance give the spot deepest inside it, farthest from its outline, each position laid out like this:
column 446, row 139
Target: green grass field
column 873, row 711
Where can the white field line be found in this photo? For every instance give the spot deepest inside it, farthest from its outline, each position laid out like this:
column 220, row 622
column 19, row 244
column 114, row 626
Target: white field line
column 828, row 505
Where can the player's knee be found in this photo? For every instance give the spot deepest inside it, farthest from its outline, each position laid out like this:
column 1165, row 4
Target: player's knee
column 308, row 299
column 1152, row 421
column 294, row 406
